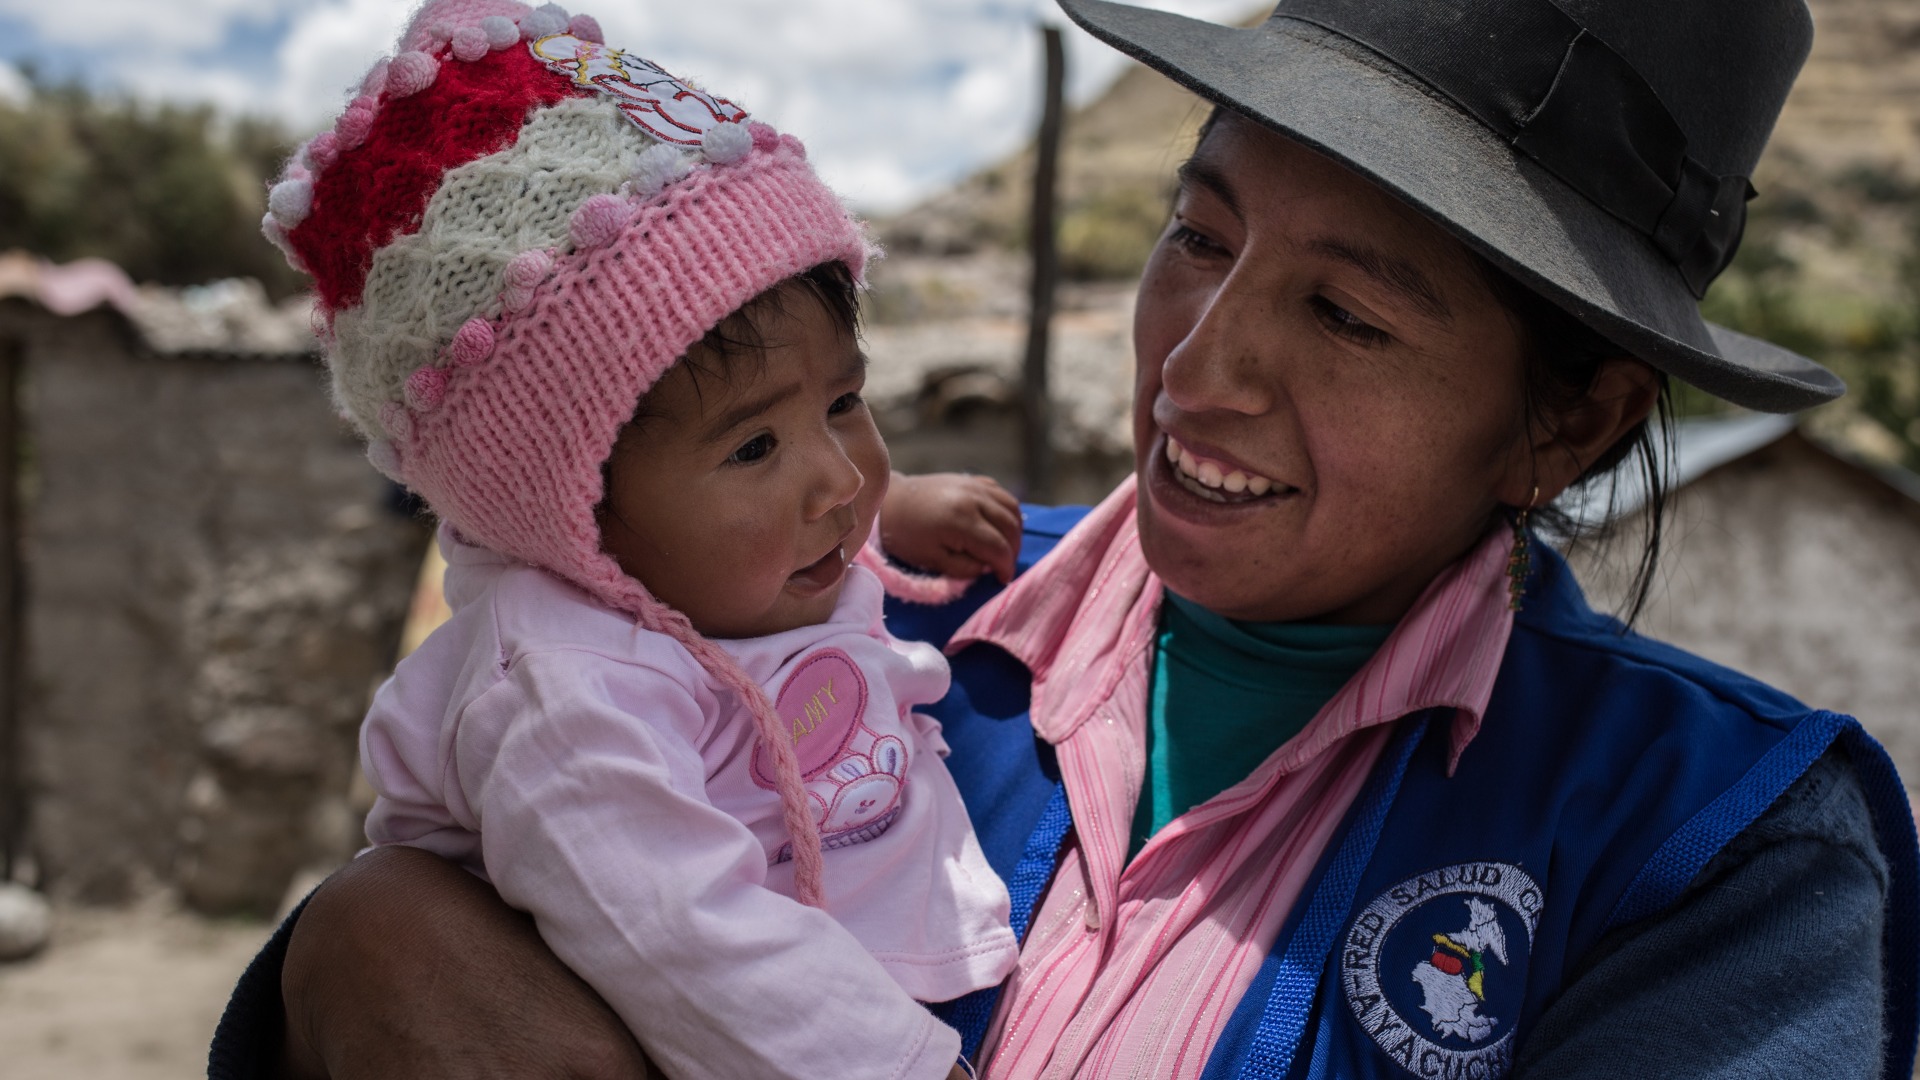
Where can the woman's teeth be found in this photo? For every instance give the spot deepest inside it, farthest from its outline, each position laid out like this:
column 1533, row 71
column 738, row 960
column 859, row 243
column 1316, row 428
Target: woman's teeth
column 1211, row 476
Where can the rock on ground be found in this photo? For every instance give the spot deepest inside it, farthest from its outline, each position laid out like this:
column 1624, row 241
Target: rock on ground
column 24, row 921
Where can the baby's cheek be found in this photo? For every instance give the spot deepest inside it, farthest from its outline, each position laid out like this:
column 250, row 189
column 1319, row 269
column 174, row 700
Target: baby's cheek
column 743, row 572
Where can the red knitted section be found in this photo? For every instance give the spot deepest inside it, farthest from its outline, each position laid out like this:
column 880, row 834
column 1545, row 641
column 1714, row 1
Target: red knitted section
column 380, row 190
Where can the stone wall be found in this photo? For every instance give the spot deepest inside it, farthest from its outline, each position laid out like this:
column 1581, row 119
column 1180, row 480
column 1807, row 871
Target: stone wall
column 215, row 579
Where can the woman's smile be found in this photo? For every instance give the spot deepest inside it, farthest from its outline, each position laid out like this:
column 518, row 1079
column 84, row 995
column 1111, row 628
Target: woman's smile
column 1219, row 480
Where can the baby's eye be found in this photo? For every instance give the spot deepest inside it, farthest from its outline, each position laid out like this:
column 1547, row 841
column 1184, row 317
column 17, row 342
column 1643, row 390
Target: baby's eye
column 844, row 403
column 752, row 450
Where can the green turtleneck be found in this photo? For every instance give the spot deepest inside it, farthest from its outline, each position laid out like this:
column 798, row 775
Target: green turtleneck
column 1226, row 694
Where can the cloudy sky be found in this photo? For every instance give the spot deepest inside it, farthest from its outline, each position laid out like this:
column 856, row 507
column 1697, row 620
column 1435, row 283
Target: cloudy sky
column 895, row 97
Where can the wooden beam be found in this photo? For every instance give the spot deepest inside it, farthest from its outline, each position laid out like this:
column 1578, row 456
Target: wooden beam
column 1036, row 404
column 13, row 795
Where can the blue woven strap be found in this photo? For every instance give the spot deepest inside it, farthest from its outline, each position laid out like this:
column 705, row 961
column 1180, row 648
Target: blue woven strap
column 1686, row 853
column 1298, row 982
column 970, row 1014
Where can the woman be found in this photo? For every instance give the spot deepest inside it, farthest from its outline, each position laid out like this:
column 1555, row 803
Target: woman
column 1299, row 756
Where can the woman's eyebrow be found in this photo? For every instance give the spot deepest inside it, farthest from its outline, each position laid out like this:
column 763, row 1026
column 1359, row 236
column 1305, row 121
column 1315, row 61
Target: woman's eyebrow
column 854, row 364
column 1395, row 274
column 1195, row 172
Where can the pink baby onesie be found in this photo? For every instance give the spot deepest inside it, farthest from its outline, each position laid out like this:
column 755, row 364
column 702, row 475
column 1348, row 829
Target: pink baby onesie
column 594, row 773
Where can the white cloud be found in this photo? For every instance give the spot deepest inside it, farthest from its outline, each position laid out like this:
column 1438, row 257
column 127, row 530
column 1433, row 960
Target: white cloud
column 894, row 97
column 175, row 79
column 325, row 54
column 13, row 86
column 162, row 25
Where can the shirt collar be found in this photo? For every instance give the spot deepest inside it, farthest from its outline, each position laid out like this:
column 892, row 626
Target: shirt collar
column 1092, row 602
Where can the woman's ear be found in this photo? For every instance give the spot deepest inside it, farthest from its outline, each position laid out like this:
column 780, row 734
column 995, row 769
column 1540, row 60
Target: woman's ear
column 1564, row 442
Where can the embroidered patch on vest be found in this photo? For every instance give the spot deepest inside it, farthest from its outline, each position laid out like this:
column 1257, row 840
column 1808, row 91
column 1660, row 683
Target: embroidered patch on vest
column 665, row 107
column 1434, row 968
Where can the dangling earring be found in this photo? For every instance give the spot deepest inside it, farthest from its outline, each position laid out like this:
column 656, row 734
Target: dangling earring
column 1520, row 562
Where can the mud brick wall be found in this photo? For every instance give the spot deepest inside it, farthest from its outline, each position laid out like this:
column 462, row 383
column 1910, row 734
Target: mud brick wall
column 215, row 579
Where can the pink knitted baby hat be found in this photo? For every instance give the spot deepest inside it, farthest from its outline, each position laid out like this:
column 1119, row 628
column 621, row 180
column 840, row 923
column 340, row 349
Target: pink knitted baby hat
column 514, row 231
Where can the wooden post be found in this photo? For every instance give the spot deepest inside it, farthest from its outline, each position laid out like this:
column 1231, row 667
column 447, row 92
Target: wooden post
column 13, row 796
column 1036, row 406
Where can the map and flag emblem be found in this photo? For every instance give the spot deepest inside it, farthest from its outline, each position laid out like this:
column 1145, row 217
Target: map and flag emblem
column 1434, row 968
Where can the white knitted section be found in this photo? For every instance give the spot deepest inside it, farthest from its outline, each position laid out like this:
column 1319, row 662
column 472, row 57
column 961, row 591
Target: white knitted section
column 424, row 286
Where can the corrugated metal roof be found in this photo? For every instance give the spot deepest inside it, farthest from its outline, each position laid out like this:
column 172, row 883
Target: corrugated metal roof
column 1703, row 444
column 229, row 317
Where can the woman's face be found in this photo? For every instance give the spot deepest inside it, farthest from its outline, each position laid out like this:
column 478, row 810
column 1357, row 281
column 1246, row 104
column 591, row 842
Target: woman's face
column 1339, row 386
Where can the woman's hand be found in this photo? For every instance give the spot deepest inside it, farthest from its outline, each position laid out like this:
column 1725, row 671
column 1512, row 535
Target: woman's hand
column 404, row 965
column 951, row 524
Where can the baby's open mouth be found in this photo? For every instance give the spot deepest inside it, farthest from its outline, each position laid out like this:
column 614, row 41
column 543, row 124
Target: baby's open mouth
column 823, row 573
column 1215, row 483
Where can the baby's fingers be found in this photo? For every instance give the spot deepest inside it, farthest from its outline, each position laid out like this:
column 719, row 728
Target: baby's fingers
column 1002, row 511
column 987, row 542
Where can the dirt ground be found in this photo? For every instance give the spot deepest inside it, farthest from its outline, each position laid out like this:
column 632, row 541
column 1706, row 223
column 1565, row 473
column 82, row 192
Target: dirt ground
column 121, row 995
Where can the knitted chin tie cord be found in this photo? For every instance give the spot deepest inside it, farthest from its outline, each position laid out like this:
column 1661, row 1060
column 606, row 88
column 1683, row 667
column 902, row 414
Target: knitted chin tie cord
column 914, row 588
column 796, row 810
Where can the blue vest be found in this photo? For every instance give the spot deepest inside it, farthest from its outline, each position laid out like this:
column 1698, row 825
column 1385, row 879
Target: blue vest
column 1448, row 911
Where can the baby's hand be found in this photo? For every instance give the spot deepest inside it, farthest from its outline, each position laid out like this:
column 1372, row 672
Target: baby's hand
column 951, row 524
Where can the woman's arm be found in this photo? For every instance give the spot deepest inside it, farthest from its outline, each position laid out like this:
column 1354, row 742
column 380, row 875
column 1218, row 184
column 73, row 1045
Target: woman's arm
column 402, row 964
column 1770, row 962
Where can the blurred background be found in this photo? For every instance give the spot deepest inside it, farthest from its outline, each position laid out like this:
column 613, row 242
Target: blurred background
column 201, row 579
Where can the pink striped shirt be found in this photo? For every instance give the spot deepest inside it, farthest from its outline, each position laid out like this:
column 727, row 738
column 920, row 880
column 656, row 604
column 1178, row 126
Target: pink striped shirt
column 1131, row 969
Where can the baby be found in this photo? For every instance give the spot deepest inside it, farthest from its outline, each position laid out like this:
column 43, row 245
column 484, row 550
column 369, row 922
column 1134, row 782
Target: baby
column 604, row 324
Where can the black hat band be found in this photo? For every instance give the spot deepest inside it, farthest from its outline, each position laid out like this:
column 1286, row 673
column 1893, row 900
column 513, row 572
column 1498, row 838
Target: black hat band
column 1561, row 96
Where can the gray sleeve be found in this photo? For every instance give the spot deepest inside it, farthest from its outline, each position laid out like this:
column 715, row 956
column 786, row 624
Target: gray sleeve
column 1768, row 965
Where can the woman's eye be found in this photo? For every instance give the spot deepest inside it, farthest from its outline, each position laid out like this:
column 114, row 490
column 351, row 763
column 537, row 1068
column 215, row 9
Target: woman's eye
column 1194, row 243
column 1346, row 324
column 843, row 404
column 752, row 450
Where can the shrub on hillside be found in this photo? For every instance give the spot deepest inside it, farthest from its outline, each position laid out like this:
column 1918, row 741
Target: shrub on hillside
column 172, row 194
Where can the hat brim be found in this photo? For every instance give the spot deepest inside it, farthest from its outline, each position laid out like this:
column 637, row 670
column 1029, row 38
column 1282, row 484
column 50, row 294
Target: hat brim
column 1345, row 101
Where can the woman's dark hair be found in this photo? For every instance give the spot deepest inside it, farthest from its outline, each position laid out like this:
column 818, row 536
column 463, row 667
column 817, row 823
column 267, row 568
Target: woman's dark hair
column 1562, row 358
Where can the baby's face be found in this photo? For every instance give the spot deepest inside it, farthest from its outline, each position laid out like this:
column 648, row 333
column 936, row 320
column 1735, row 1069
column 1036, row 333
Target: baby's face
column 739, row 499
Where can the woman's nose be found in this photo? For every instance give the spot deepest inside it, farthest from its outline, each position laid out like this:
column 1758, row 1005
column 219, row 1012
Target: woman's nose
column 1226, row 360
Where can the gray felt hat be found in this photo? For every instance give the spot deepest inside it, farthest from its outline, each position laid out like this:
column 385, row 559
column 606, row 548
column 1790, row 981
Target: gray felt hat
column 1597, row 150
